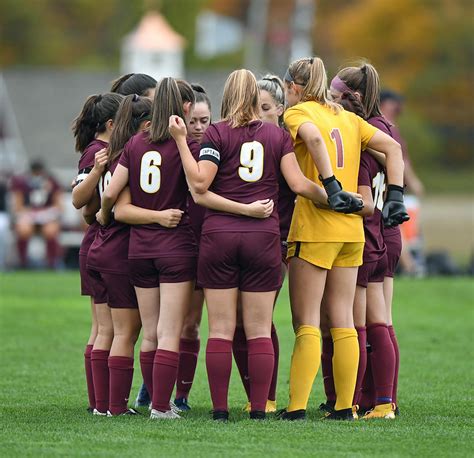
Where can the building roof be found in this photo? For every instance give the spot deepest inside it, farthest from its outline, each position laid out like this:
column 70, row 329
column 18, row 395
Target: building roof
column 153, row 33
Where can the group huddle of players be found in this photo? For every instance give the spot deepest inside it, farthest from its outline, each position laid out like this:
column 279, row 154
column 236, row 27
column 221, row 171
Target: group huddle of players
column 184, row 211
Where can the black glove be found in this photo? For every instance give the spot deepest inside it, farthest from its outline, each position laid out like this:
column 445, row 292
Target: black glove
column 339, row 200
column 394, row 211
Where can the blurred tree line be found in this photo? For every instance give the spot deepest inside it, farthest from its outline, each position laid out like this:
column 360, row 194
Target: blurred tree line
column 422, row 48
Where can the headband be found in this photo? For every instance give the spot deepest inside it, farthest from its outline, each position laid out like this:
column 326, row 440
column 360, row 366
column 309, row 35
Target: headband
column 340, row 85
column 289, row 79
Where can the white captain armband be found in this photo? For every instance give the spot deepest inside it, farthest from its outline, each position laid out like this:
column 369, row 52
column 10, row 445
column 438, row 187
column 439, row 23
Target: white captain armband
column 208, row 153
column 82, row 175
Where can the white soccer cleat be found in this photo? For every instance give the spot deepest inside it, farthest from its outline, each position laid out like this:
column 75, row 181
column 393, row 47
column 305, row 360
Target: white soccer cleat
column 99, row 414
column 168, row 415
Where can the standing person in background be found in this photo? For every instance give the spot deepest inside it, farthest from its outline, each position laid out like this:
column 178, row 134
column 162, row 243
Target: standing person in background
column 37, row 200
column 326, row 248
column 272, row 106
column 92, row 129
column 411, row 258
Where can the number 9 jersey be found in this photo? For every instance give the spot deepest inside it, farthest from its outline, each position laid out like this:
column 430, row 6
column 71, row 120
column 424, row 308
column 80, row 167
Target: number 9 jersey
column 345, row 136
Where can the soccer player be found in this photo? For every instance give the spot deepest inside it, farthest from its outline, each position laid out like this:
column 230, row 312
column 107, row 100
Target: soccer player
column 142, row 85
column 107, row 261
column 92, row 129
column 358, row 89
column 272, row 106
column 325, row 248
column 241, row 158
column 189, row 343
column 36, row 207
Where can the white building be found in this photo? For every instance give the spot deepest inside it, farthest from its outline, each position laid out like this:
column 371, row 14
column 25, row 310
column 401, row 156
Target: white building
column 153, row 48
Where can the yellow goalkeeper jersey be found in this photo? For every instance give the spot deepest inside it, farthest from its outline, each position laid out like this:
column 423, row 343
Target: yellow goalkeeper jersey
column 345, row 136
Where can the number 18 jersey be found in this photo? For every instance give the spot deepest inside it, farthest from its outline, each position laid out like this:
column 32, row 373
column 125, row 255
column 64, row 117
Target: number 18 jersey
column 157, row 182
column 344, row 135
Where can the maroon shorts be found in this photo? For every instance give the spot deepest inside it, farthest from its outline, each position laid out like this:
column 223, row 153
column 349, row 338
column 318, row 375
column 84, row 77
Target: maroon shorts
column 149, row 273
column 250, row 261
column 99, row 289
column 394, row 250
column 372, row 272
column 86, row 288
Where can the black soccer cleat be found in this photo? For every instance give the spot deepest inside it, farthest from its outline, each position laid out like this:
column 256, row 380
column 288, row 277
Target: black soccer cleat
column 220, row 415
column 341, row 415
column 327, row 406
column 257, row 415
column 295, row 415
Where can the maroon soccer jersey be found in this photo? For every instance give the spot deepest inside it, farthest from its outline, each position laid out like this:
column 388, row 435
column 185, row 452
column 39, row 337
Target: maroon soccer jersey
column 37, row 190
column 390, row 234
column 109, row 250
column 286, row 205
column 196, row 217
column 249, row 166
column 371, row 174
column 157, row 182
column 86, row 163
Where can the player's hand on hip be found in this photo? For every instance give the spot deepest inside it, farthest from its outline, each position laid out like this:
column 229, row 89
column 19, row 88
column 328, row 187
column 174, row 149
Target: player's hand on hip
column 394, row 211
column 260, row 208
column 169, row 218
column 177, row 127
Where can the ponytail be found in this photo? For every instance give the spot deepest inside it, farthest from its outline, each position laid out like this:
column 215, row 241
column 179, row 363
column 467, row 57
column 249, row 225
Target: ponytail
column 133, row 110
column 353, row 104
column 92, row 120
column 170, row 96
column 240, row 98
column 364, row 79
column 310, row 73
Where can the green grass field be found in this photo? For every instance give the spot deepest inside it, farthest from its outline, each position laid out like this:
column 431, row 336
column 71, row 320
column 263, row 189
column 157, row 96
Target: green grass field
column 44, row 325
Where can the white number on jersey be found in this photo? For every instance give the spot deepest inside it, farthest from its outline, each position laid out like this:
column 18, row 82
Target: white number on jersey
column 378, row 184
column 251, row 161
column 104, row 182
column 150, row 174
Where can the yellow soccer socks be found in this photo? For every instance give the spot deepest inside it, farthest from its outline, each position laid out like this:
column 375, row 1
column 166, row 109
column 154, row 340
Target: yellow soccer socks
column 304, row 366
column 345, row 364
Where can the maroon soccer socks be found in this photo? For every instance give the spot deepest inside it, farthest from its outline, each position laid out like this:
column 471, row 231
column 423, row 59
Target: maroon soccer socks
column 165, row 369
column 89, row 380
column 260, row 364
column 188, row 357
column 219, row 367
column 121, row 377
column 382, row 362
column 100, row 375
column 146, row 364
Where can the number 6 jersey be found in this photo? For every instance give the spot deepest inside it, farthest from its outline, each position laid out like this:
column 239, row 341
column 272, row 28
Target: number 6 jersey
column 248, row 160
column 157, row 182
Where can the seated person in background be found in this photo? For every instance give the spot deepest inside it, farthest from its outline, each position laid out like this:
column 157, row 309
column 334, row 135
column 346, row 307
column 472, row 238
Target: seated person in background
column 36, row 207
